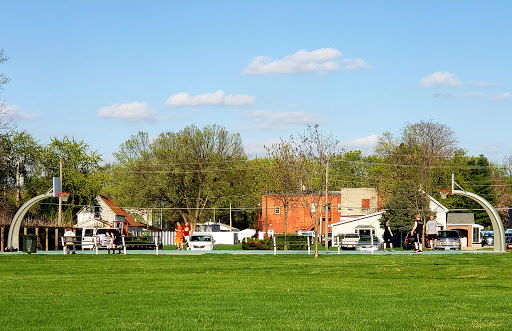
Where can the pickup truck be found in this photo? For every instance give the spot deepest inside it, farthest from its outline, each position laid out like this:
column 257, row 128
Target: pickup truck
column 349, row 241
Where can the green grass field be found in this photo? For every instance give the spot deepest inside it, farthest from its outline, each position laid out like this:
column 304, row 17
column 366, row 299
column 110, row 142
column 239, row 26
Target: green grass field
column 256, row 292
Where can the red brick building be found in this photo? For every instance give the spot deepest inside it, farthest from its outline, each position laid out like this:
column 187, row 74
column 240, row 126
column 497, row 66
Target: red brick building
column 350, row 202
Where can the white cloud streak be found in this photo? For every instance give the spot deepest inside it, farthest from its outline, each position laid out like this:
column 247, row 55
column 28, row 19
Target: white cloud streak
column 356, row 64
column 14, row 113
column 268, row 120
column 217, row 98
column 440, row 78
column 128, row 112
column 501, row 96
column 495, row 97
column 320, row 60
column 365, row 144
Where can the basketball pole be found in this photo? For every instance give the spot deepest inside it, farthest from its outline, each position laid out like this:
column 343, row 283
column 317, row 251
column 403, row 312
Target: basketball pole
column 60, row 196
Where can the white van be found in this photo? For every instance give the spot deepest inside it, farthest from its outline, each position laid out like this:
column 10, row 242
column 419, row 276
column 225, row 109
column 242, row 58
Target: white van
column 88, row 235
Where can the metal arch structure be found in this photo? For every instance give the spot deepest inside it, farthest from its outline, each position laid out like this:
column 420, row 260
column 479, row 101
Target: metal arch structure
column 497, row 225
column 14, row 230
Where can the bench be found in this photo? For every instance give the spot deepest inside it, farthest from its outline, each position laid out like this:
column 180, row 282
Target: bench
column 79, row 241
column 140, row 242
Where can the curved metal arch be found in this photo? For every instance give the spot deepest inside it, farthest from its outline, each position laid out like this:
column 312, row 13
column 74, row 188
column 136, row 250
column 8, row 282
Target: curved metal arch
column 497, row 225
column 14, row 230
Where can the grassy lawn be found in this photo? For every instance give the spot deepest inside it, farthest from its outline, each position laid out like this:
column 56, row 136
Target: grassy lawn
column 255, row 292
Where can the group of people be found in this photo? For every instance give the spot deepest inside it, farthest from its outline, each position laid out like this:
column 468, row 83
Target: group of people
column 416, row 234
column 182, row 235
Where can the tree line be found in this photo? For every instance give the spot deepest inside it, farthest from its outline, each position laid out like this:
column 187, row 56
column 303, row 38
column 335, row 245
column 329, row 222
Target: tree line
column 202, row 174
column 196, row 174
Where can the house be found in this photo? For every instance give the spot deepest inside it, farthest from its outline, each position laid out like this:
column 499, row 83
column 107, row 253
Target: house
column 362, row 225
column 464, row 223
column 348, row 202
column 105, row 213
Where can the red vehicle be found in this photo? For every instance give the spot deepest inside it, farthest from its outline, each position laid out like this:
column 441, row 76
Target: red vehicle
column 508, row 242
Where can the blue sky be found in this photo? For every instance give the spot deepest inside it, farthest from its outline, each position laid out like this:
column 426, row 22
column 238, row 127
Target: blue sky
column 103, row 70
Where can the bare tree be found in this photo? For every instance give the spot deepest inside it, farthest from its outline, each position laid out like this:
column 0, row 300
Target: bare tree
column 316, row 149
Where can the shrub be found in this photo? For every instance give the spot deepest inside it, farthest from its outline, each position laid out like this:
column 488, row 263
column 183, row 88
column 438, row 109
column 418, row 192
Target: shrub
column 293, row 242
column 257, row 244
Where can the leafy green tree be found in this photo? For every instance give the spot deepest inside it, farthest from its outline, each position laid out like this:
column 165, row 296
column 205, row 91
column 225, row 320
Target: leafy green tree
column 407, row 201
column 474, row 174
column 188, row 171
column 82, row 175
column 20, row 162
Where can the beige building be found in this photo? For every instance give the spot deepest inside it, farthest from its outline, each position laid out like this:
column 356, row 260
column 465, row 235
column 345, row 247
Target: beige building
column 358, row 201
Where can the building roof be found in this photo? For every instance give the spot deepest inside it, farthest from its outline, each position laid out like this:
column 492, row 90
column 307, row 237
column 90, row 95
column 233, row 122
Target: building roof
column 379, row 213
column 460, row 219
column 120, row 211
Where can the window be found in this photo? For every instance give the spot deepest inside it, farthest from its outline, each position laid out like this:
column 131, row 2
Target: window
column 339, row 208
column 277, row 210
column 313, row 207
column 365, row 204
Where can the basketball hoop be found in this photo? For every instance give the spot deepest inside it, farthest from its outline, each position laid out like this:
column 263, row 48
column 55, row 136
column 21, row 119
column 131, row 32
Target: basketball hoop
column 444, row 193
column 64, row 196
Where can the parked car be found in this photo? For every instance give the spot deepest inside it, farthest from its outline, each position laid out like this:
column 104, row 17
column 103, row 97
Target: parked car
column 408, row 241
column 487, row 239
column 200, row 241
column 508, row 242
column 448, row 240
column 349, row 240
column 365, row 243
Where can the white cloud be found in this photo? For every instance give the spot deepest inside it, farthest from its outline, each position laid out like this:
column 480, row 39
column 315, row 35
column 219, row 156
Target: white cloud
column 461, row 95
column 128, row 112
column 265, row 119
column 365, row 144
column 501, row 96
column 320, row 60
column 440, row 78
column 217, row 98
column 496, row 148
column 14, row 113
column 356, row 64
column 257, row 147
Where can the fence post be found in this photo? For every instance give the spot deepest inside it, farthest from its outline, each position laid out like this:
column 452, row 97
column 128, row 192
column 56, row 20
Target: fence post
column 309, row 247
column 275, row 247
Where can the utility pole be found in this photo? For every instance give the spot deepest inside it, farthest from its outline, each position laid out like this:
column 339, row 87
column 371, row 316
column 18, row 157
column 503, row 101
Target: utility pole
column 18, row 194
column 327, row 206
column 230, row 219
column 60, row 196
column 266, row 215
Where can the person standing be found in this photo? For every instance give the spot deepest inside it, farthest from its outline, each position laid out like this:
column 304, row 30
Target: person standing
column 115, row 242
column 186, row 232
column 179, row 236
column 388, row 236
column 417, row 232
column 431, row 228
column 69, row 237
